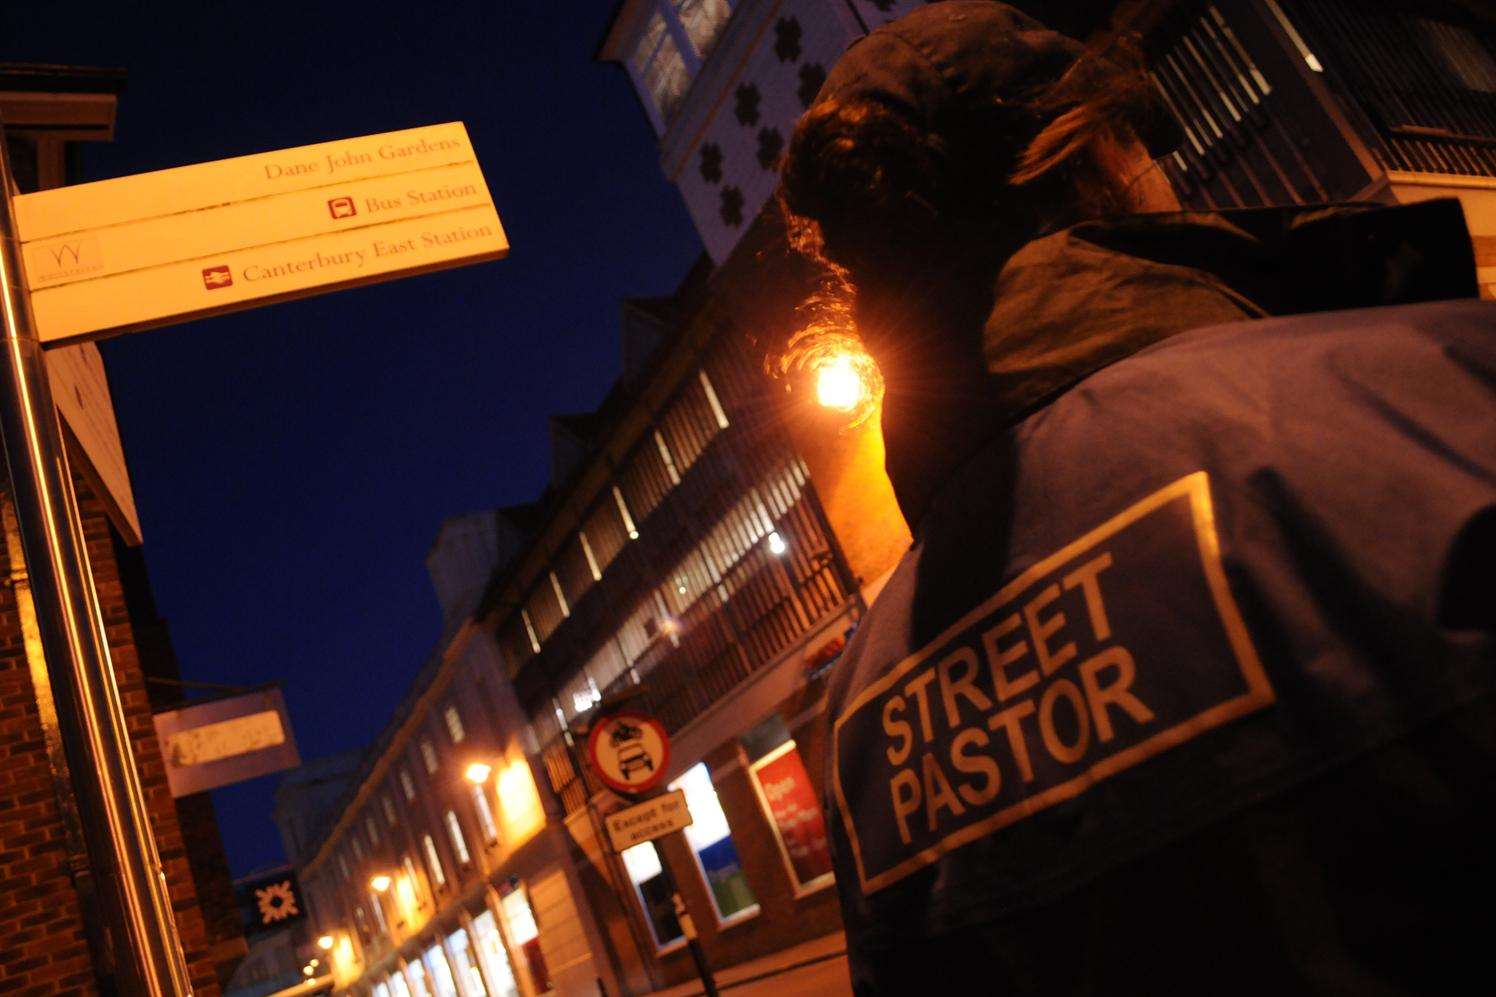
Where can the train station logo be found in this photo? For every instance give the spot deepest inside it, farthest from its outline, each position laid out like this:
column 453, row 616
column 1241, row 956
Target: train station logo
column 217, row 277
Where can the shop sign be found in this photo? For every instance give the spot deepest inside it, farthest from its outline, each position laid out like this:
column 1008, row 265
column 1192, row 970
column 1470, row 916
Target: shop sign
column 156, row 248
column 225, row 741
column 649, row 820
column 629, row 751
column 785, row 789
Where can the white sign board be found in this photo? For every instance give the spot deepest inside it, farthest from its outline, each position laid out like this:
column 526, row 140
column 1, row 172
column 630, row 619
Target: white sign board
column 224, row 741
column 648, row 820
column 122, row 255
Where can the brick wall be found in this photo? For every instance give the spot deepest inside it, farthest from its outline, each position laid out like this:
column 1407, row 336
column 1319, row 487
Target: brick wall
column 44, row 949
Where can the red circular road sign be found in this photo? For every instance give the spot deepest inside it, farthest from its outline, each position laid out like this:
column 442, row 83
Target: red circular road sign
column 629, row 751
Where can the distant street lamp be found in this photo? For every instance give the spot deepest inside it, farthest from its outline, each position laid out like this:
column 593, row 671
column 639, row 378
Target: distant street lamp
column 325, row 943
column 478, row 772
column 380, row 883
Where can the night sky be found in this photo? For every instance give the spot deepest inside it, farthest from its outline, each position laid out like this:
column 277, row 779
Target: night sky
column 292, row 463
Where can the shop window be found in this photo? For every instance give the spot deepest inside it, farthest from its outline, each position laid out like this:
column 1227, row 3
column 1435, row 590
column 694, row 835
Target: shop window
column 648, row 877
column 420, row 983
column 433, row 861
column 465, row 964
column 525, row 934
column 443, row 983
column 454, row 724
column 428, row 756
column 711, row 841
column 790, row 801
column 459, row 843
column 485, row 815
column 493, row 957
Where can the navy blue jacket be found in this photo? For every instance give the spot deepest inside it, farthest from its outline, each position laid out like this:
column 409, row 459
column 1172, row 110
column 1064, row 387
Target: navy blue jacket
column 1186, row 683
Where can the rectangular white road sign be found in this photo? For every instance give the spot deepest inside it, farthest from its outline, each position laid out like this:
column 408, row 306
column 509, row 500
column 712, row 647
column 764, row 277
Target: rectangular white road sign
column 654, row 818
column 122, row 255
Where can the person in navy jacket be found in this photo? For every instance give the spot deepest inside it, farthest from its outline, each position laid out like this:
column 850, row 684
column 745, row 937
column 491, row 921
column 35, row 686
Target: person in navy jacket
column 1186, row 682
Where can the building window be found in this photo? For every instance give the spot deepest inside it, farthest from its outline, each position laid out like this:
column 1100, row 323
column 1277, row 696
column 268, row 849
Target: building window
column 525, row 934
column 441, row 972
column 420, row 983
column 428, row 755
column 459, row 844
column 398, row 987
column 648, row 877
column 358, row 847
column 372, row 828
column 674, row 40
column 464, row 964
column 343, row 865
column 794, row 809
column 485, row 815
column 433, row 861
column 454, row 724
column 495, row 959
column 407, row 784
column 711, row 841
column 378, row 907
column 410, row 869
column 389, row 810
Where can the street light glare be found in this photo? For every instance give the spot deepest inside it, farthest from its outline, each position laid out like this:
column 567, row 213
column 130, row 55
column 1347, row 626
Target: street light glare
column 839, row 384
column 380, row 883
column 478, row 773
column 325, row 943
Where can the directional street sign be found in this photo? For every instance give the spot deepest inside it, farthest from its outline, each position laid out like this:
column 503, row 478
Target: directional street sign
column 654, row 818
column 148, row 250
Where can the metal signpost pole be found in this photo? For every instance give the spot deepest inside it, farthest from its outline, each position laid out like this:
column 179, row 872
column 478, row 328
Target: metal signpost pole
column 144, row 951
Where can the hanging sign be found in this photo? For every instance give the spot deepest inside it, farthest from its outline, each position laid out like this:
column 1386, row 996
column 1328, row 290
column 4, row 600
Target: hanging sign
column 629, row 751
column 225, row 741
column 654, row 818
column 156, row 248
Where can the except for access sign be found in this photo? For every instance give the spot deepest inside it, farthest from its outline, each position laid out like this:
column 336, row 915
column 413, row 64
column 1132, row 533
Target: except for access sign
column 121, row 255
column 649, row 820
column 629, row 751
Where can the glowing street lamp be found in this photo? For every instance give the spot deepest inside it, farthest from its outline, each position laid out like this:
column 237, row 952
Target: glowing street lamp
column 380, row 883
column 777, row 546
column 839, row 384
column 325, row 943
column 478, row 772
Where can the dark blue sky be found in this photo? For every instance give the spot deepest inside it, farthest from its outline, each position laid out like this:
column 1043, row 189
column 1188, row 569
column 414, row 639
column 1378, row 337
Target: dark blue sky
column 293, row 463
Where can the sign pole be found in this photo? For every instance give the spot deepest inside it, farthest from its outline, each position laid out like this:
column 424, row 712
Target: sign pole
column 144, row 951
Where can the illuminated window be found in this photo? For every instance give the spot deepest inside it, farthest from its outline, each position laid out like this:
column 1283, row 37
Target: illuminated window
column 492, row 955
column 433, row 861
column 669, row 50
column 459, row 844
column 525, row 934
column 343, row 865
column 398, row 987
column 420, row 983
column 485, row 815
column 378, row 907
column 711, row 841
column 428, row 755
column 464, row 963
column 409, row 866
column 407, row 784
column 648, row 877
column 358, row 848
column 454, row 724
column 389, row 810
column 372, row 828
column 441, row 972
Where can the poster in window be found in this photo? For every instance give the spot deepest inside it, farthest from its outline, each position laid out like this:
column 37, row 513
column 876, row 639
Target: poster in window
column 785, row 789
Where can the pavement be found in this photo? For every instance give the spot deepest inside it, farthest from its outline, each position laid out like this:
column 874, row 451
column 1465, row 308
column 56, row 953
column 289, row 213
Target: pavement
column 817, row 968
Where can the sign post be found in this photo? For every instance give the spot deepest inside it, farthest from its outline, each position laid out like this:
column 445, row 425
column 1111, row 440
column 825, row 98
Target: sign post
column 630, row 753
column 142, row 948
column 117, row 256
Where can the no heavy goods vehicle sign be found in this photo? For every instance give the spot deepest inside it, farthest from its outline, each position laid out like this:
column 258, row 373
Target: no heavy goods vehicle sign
column 629, row 751
column 128, row 254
